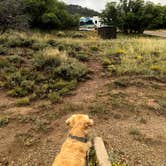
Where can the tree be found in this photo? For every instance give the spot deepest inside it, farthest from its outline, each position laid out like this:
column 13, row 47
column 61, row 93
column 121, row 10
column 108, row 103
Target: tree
column 134, row 16
column 110, row 14
column 12, row 15
column 49, row 14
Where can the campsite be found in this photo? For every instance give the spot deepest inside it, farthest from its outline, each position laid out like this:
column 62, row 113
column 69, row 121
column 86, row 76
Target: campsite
column 49, row 74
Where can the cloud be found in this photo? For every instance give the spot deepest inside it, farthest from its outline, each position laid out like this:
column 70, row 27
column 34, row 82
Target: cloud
column 100, row 4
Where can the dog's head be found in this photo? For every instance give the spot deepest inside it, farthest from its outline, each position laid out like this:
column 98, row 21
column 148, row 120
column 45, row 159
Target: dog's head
column 79, row 119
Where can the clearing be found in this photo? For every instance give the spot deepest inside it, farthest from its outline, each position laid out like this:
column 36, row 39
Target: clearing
column 123, row 91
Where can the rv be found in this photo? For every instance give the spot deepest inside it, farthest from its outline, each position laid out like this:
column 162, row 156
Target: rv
column 89, row 23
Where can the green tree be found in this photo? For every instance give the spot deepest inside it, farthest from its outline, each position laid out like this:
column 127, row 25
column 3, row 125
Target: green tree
column 134, row 16
column 12, row 15
column 49, row 14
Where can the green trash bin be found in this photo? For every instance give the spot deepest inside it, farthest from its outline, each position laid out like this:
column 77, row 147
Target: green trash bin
column 107, row 32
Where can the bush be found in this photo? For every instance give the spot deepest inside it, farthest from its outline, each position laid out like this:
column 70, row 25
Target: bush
column 47, row 59
column 38, row 46
column 54, row 97
column 52, row 42
column 94, row 48
column 81, row 56
column 61, row 47
column 19, row 42
column 18, row 92
column 71, row 69
column 3, row 63
column 78, row 35
column 27, row 85
column 16, row 59
column 3, row 121
column 61, row 34
column 23, row 101
column 3, row 50
column 106, row 62
column 14, row 80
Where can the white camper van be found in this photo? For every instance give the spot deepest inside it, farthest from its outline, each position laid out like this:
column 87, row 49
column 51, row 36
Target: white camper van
column 89, row 23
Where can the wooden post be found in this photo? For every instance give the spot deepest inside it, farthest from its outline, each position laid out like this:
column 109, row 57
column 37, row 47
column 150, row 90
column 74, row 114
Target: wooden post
column 101, row 152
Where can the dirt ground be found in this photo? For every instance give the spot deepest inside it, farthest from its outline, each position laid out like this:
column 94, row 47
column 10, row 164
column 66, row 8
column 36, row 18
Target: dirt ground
column 134, row 132
column 161, row 33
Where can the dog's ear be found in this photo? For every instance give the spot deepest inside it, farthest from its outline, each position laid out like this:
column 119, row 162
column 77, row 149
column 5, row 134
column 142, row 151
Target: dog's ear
column 71, row 121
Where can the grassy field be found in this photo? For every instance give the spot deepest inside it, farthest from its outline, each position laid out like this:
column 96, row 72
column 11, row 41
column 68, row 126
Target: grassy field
column 120, row 83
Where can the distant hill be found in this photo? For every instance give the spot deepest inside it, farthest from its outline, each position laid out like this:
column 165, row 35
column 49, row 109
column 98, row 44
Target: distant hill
column 82, row 11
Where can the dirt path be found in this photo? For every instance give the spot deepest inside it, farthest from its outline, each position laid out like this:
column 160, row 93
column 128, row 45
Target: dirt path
column 156, row 33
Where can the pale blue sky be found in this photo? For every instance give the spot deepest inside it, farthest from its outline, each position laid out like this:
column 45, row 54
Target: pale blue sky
column 100, row 4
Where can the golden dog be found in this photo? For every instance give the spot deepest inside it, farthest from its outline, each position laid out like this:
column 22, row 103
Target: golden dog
column 74, row 149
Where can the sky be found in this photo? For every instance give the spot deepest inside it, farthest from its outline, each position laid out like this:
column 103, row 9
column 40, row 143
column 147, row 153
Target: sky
column 99, row 4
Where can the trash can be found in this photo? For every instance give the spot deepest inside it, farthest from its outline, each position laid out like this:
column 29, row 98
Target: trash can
column 107, row 32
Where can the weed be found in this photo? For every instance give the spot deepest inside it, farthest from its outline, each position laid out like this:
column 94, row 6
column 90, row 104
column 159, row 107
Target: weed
column 23, row 101
column 3, row 50
column 16, row 59
column 106, row 62
column 82, row 56
column 61, row 34
column 54, row 97
column 143, row 120
column 45, row 106
column 99, row 108
column 94, row 48
column 52, row 42
column 38, row 46
column 41, row 125
column 3, row 121
column 3, row 63
column 135, row 131
column 61, row 47
column 69, row 107
column 17, row 92
column 78, row 35
column 121, row 83
column 47, row 59
column 26, row 139
column 71, row 69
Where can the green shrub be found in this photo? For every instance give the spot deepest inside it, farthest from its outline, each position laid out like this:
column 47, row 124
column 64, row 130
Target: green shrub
column 61, row 47
column 71, row 69
column 3, row 121
column 94, row 48
column 14, row 79
column 106, row 62
column 39, row 46
column 52, row 42
column 16, row 59
column 45, row 106
column 82, row 57
column 78, row 35
column 134, row 131
column 67, row 89
column 61, row 34
column 3, row 50
column 98, row 108
column 19, row 42
column 18, row 92
column 44, row 60
column 3, row 63
column 27, row 85
column 54, row 97
column 23, row 101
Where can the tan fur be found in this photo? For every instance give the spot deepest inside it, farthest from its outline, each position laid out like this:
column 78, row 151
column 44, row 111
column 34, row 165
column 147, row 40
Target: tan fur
column 73, row 152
